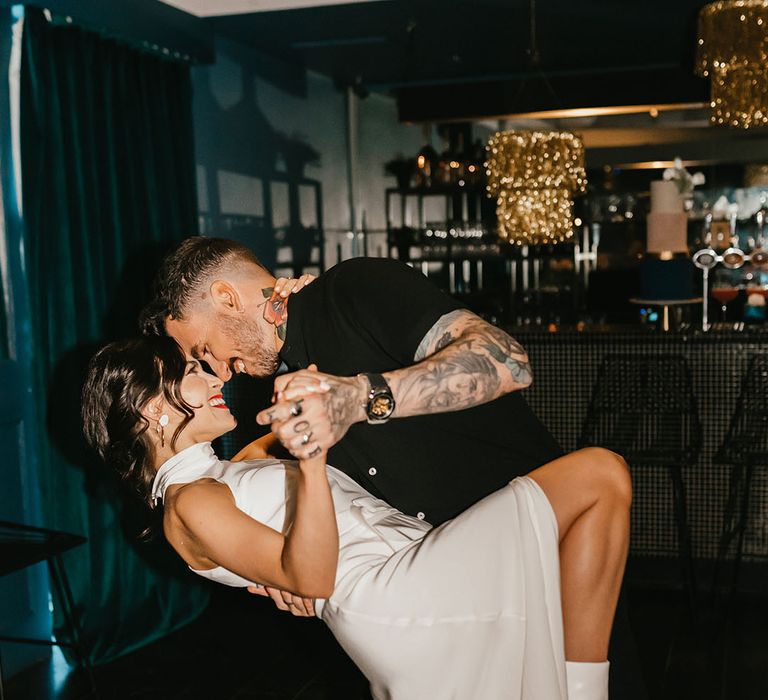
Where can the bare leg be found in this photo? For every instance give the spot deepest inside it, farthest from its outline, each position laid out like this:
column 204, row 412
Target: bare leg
column 590, row 492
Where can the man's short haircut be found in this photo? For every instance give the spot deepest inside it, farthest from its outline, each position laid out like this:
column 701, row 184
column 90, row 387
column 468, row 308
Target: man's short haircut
column 185, row 273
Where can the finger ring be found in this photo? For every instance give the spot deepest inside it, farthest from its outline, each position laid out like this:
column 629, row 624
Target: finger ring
column 305, row 438
column 296, row 408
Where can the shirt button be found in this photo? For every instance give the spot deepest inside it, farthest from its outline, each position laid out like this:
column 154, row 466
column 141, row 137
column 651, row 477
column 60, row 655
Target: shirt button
column 420, row 515
column 372, row 471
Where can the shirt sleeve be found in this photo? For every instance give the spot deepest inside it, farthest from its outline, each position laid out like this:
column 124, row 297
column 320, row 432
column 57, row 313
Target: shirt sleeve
column 389, row 301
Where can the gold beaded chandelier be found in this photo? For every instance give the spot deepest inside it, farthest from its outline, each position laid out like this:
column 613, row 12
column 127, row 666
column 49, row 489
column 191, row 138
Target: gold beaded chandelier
column 533, row 175
column 733, row 51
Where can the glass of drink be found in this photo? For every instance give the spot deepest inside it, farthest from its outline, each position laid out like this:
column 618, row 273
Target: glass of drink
column 724, row 290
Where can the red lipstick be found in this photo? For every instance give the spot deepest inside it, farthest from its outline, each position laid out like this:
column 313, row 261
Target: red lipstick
column 221, row 405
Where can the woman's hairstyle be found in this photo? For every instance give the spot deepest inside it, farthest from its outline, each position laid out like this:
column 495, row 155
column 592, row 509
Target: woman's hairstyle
column 122, row 378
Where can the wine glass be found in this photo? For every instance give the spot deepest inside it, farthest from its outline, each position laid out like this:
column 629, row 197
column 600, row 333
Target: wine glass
column 724, row 290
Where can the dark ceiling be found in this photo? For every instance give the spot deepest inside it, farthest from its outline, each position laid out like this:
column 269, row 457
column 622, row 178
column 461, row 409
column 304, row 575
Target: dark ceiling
column 458, row 59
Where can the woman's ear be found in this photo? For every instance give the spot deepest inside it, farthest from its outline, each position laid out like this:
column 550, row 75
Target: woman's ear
column 154, row 410
column 225, row 296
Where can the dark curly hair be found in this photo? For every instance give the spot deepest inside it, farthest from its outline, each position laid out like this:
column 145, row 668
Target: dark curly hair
column 183, row 274
column 122, row 378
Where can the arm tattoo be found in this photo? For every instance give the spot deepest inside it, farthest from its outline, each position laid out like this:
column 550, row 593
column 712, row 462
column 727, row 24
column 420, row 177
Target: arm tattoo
column 460, row 380
column 439, row 336
column 519, row 369
column 508, row 352
column 462, row 362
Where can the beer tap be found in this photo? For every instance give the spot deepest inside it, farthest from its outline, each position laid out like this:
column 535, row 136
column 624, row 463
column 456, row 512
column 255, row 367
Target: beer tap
column 732, row 258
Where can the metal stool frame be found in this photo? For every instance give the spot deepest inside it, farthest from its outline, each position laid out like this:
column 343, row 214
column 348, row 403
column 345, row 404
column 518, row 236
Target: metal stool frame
column 24, row 545
column 643, row 407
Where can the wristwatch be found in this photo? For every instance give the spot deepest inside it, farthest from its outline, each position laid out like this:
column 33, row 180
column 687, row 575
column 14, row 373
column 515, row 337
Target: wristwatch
column 379, row 403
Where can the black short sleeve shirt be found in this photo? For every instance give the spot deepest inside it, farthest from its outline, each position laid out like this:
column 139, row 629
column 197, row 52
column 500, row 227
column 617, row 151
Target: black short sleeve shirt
column 369, row 315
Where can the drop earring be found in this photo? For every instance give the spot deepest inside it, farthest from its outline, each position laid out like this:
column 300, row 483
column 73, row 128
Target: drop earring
column 161, row 423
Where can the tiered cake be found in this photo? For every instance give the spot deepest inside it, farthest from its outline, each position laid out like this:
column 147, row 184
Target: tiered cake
column 667, row 222
column 662, row 275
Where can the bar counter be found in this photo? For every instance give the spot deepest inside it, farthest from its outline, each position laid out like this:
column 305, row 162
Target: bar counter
column 565, row 370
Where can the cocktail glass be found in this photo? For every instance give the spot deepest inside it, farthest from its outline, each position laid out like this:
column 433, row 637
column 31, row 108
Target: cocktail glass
column 724, row 291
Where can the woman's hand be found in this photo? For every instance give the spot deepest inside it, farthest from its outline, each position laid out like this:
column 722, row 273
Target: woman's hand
column 285, row 286
column 275, row 307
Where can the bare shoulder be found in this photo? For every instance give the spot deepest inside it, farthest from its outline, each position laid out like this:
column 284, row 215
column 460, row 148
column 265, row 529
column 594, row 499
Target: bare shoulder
column 195, row 505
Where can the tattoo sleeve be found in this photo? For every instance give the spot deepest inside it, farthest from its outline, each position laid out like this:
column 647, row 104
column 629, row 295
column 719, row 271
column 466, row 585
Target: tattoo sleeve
column 462, row 361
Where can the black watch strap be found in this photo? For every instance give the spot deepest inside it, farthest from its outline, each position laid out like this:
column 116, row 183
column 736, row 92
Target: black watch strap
column 380, row 403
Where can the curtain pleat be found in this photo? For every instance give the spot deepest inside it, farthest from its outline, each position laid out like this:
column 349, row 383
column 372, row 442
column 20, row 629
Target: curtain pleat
column 108, row 187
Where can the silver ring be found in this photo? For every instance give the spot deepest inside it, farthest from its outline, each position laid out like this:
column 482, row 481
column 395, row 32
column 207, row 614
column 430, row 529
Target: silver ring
column 305, row 438
column 296, row 408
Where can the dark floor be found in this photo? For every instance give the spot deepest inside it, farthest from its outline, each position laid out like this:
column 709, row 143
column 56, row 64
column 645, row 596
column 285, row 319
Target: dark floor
column 242, row 648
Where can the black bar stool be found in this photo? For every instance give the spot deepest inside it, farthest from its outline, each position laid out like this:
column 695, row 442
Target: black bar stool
column 643, row 407
column 744, row 448
column 22, row 546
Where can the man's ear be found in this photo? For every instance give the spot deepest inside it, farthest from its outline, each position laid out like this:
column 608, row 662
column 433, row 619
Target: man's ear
column 225, row 297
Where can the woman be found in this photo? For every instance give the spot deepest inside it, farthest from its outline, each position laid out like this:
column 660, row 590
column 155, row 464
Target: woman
column 471, row 609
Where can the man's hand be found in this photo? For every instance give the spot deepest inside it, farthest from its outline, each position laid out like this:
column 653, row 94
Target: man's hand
column 298, row 607
column 314, row 410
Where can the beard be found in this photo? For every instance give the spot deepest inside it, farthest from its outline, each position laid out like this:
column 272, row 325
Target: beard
column 255, row 344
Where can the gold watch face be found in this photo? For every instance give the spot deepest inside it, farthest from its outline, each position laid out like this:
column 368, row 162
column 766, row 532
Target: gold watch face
column 380, row 406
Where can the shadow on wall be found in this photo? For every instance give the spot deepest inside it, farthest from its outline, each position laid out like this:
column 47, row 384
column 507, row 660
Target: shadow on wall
column 252, row 181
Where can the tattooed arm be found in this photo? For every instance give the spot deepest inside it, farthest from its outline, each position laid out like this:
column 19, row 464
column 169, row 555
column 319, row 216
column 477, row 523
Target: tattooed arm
column 462, row 362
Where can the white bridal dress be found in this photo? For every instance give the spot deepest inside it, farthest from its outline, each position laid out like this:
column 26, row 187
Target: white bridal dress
column 469, row 610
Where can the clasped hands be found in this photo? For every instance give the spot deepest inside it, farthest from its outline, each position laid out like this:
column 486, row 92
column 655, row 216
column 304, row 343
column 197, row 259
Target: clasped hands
column 312, row 411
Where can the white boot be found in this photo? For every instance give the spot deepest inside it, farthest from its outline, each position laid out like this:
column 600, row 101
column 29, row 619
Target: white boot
column 587, row 681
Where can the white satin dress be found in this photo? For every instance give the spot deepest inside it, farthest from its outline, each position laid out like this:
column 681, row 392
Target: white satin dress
column 469, row 610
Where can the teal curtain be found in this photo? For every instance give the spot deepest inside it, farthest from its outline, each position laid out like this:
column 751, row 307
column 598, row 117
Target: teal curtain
column 4, row 344
column 108, row 186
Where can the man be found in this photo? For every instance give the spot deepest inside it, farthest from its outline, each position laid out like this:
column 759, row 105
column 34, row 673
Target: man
column 389, row 346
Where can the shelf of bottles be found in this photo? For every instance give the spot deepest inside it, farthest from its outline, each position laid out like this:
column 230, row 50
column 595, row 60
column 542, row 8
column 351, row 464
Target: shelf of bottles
column 440, row 211
column 441, row 224
column 449, row 233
